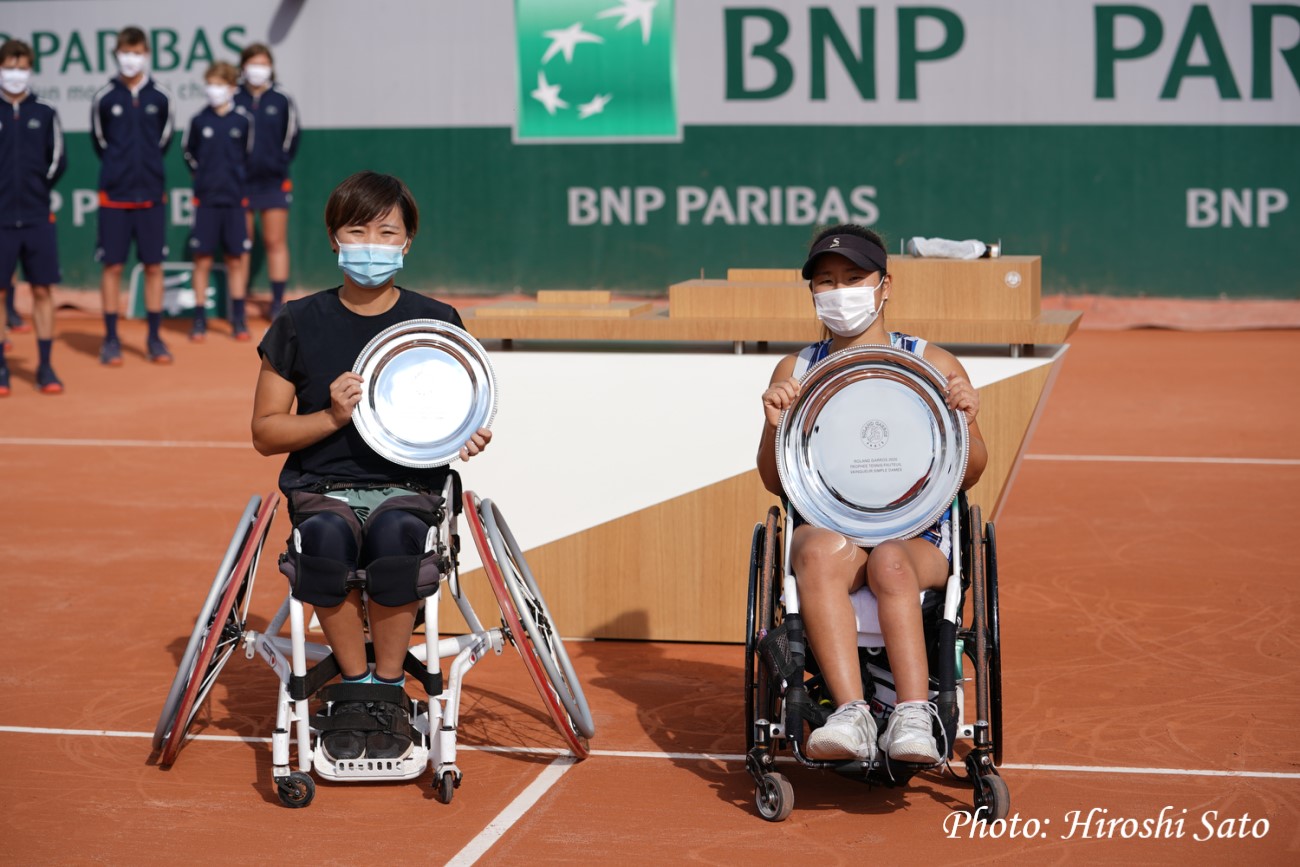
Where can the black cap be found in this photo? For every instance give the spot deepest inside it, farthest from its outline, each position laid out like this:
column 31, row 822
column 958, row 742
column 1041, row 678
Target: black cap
column 858, row 250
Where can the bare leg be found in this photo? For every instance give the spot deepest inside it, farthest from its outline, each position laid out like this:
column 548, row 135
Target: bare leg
column 43, row 312
column 153, row 286
column 110, row 288
column 275, row 236
column 344, row 629
column 897, row 572
column 830, row 567
column 202, row 280
column 237, row 275
column 391, row 628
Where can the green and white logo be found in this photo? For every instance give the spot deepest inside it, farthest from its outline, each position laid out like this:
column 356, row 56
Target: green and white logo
column 596, row 70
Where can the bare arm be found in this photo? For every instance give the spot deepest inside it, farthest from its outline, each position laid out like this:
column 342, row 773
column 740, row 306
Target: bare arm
column 277, row 429
column 962, row 396
column 781, row 393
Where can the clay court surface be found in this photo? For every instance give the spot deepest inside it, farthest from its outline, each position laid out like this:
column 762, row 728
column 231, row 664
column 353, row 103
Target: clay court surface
column 1150, row 610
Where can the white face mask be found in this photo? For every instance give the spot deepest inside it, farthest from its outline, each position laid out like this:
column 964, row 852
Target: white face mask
column 130, row 63
column 15, row 81
column 849, row 311
column 219, row 94
column 257, row 74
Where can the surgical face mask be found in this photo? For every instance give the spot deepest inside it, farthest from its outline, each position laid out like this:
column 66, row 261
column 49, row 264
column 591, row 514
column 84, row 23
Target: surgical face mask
column 130, row 63
column 15, row 81
column 370, row 265
column 849, row 311
column 219, row 94
column 257, row 74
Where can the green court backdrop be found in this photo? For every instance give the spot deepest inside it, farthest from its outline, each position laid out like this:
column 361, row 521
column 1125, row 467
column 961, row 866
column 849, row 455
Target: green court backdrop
column 1141, row 148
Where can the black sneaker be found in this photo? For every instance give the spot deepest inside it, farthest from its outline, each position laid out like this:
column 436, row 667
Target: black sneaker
column 158, row 353
column 394, row 741
column 110, row 352
column 47, row 382
column 345, row 744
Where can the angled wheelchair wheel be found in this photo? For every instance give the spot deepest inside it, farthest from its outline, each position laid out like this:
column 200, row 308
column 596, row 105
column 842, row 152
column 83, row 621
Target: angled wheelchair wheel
column 751, row 633
column 995, row 641
column 529, row 623
column 218, row 630
column 172, row 703
column 979, row 619
column 765, row 571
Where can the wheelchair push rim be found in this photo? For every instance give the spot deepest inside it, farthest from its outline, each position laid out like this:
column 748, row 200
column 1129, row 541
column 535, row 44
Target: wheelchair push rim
column 219, row 634
column 529, row 623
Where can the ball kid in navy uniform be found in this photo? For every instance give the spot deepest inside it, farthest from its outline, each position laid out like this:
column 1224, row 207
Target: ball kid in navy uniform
column 31, row 160
column 131, row 129
column 270, row 191
column 217, row 146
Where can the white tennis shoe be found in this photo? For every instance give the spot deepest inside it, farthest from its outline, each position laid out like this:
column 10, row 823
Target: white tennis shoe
column 850, row 733
column 909, row 737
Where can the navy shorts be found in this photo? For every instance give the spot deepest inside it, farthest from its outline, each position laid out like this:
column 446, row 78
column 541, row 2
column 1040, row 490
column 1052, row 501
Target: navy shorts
column 219, row 226
column 118, row 226
column 267, row 198
column 37, row 247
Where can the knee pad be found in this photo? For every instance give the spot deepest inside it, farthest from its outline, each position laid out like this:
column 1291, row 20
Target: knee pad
column 402, row 579
column 321, row 581
column 406, row 563
column 321, row 561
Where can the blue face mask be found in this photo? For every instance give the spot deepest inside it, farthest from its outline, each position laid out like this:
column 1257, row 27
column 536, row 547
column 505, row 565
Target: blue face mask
column 370, row 265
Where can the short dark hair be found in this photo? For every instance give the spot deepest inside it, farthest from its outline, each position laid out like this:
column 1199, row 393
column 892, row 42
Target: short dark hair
column 849, row 229
column 253, row 50
column 132, row 36
column 367, row 195
column 16, row 48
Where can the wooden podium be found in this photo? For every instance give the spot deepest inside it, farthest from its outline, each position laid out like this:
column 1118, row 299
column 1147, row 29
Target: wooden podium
column 983, row 301
column 676, row 568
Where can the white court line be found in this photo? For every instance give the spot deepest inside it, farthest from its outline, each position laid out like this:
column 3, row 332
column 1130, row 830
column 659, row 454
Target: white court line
column 692, row 757
column 1161, row 459
column 513, row 812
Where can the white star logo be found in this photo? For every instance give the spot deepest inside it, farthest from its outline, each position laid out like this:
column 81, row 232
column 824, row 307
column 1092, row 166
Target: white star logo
column 633, row 10
column 566, row 40
column 548, row 94
column 596, row 106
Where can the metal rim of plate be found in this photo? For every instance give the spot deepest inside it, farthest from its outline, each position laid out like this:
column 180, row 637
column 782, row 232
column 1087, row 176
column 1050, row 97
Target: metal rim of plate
column 388, row 429
column 822, row 489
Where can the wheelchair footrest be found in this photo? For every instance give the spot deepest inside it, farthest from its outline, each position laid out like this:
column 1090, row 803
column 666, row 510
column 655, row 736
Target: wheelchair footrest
column 406, row 768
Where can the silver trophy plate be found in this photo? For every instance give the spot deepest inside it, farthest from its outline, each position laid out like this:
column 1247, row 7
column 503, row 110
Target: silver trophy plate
column 870, row 448
column 427, row 387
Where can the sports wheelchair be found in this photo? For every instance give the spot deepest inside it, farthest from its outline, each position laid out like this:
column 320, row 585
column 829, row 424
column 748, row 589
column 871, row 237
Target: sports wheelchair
column 785, row 693
column 305, row 668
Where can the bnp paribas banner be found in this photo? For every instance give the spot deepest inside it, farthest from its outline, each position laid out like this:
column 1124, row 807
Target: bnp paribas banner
column 1139, row 147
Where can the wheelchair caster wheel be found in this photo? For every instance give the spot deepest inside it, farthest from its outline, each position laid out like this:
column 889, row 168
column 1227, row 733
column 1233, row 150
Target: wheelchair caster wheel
column 295, row 790
column 992, row 798
column 774, row 797
column 447, row 785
